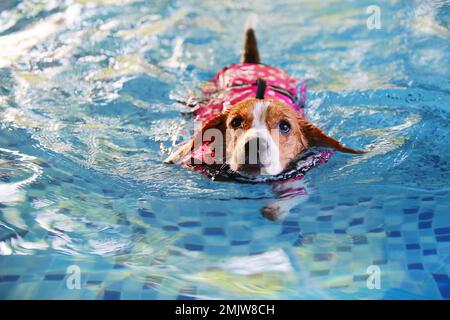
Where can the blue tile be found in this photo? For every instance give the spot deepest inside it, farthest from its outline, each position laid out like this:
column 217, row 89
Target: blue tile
column 213, row 231
column 443, row 238
column 440, row 231
column 54, row 277
column 441, row 278
column 189, row 224
column 322, row 257
column 170, row 228
column 216, row 214
column 324, row 218
column 346, row 204
column 356, row 221
column 412, row 246
column 299, row 241
column 111, row 295
column 9, row 278
column 239, row 242
column 429, row 252
column 362, row 277
column 393, row 234
column 426, row 215
column 291, row 223
column 443, row 283
column 290, row 229
column 411, row 210
column 193, row 247
column 415, row 266
column 145, row 213
column 424, row 224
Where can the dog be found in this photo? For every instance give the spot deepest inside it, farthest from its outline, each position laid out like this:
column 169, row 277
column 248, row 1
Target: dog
column 252, row 119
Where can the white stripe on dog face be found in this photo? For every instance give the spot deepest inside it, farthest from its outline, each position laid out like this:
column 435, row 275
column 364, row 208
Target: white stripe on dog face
column 270, row 155
column 260, row 114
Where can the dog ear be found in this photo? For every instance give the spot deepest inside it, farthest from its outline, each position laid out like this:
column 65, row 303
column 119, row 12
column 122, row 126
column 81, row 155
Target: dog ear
column 315, row 137
column 218, row 122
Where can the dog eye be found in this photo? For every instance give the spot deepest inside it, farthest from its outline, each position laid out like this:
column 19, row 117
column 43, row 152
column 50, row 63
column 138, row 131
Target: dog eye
column 236, row 122
column 284, row 127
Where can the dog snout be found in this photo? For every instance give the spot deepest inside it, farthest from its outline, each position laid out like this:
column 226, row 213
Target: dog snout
column 253, row 151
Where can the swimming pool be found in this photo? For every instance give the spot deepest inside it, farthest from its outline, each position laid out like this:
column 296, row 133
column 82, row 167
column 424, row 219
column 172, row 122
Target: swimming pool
column 88, row 112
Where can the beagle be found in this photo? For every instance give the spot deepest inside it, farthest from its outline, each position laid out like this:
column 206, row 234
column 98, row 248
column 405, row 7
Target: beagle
column 252, row 119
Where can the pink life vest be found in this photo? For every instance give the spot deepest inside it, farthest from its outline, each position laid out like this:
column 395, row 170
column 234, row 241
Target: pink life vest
column 236, row 83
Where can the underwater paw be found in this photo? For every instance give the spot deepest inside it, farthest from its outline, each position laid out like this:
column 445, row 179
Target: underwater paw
column 272, row 212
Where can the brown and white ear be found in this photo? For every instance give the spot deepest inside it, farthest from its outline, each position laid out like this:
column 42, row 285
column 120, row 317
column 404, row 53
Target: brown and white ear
column 179, row 154
column 218, row 122
column 317, row 138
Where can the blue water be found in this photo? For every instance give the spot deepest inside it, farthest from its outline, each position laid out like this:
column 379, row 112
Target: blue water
column 88, row 112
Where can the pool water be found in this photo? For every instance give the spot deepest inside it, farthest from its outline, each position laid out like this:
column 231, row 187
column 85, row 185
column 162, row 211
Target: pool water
column 88, row 109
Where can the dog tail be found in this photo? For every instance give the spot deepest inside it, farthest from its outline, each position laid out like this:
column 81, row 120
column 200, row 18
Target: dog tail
column 251, row 53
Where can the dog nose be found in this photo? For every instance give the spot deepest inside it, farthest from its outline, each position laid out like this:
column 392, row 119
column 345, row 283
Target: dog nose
column 252, row 150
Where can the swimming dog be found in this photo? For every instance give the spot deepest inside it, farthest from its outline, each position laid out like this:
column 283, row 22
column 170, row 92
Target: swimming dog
column 252, row 119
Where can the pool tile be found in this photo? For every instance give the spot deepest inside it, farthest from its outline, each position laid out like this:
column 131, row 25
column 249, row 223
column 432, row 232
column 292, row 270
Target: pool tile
column 111, row 295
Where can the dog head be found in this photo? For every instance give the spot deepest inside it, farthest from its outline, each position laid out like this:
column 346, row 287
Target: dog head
column 258, row 137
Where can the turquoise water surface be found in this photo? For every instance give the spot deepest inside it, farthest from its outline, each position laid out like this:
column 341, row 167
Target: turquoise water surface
column 88, row 112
